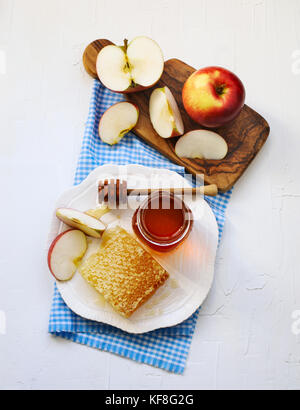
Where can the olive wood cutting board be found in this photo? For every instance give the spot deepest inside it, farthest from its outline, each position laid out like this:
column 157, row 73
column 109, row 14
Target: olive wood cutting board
column 245, row 135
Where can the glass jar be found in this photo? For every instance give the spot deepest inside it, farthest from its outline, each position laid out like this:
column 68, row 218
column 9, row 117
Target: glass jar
column 163, row 221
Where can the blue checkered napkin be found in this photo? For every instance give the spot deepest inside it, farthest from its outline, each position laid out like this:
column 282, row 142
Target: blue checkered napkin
column 165, row 348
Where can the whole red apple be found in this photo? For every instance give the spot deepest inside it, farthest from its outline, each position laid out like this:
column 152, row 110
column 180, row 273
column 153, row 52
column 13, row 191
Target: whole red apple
column 213, row 96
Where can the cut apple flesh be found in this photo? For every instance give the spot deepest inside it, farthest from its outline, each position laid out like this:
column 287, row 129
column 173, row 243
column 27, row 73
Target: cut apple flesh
column 146, row 61
column 65, row 252
column 201, row 144
column 137, row 65
column 164, row 113
column 109, row 219
column 117, row 121
column 98, row 212
column 79, row 220
column 112, row 68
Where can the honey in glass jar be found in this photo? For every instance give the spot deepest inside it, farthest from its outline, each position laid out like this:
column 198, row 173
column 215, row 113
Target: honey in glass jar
column 163, row 221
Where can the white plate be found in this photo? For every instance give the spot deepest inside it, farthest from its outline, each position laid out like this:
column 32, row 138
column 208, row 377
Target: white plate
column 191, row 266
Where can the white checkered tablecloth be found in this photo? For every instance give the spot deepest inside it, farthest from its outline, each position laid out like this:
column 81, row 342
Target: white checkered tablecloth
column 165, row 348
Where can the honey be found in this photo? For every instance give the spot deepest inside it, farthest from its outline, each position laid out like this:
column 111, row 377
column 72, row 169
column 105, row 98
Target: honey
column 163, row 221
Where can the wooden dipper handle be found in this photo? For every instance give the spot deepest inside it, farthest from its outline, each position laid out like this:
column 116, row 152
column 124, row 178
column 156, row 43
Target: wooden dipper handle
column 210, row 190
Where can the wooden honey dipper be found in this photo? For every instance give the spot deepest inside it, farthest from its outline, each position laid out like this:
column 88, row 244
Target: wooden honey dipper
column 116, row 192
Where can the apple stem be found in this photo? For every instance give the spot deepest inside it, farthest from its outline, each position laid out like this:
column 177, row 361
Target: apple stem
column 220, row 89
column 125, row 45
column 127, row 66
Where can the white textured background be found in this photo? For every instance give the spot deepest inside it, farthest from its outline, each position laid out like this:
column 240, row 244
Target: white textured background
column 244, row 337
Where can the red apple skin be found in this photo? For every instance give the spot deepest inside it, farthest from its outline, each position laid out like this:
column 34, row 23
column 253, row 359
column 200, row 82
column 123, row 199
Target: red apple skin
column 132, row 90
column 175, row 134
column 213, row 96
column 51, row 249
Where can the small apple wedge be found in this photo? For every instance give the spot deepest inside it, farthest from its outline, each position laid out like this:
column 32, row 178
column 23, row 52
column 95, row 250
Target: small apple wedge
column 164, row 113
column 201, row 144
column 65, row 252
column 79, row 220
column 132, row 67
column 117, row 121
column 98, row 212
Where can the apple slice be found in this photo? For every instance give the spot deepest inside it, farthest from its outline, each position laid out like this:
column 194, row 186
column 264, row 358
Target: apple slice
column 65, row 252
column 132, row 67
column 201, row 144
column 117, row 121
column 164, row 113
column 109, row 219
column 98, row 212
column 79, row 220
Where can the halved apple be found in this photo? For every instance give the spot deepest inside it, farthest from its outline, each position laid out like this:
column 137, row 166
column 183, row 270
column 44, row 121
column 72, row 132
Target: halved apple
column 79, row 220
column 65, row 252
column 164, row 113
column 132, row 67
column 201, row 144
column 117, row 121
